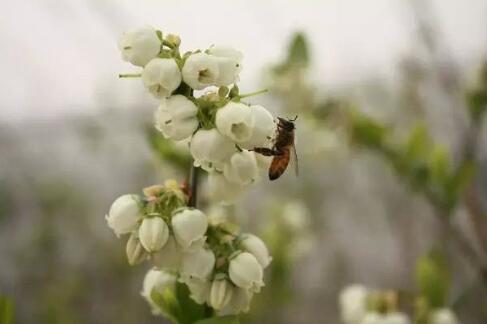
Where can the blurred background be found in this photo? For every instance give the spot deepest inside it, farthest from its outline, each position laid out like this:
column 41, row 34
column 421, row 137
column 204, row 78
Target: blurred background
column 391, row 142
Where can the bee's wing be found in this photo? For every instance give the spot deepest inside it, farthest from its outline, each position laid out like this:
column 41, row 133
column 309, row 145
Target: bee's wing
column 294, row 160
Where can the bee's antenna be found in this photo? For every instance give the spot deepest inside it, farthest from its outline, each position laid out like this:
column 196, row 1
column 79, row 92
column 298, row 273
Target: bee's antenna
column 294, row 119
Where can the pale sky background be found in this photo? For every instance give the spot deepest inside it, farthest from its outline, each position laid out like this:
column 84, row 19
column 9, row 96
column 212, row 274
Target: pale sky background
column 59, row 57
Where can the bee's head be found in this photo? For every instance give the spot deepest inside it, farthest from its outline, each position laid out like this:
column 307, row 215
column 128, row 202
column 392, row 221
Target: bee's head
column 287, row 123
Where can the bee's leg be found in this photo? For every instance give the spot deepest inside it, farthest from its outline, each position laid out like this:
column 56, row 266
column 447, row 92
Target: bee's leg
column 267, row 151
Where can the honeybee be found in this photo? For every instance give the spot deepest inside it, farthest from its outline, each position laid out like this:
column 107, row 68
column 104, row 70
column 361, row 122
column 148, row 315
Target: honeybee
column 283, row 149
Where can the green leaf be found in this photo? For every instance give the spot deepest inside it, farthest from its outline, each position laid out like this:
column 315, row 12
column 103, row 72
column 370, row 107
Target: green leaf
column 367, row 132
column 298, row 50
column 177, row 305
column 439, row 169
column 167, row 303
column 219, row 320
column 433, row 279
column 418, row 143
column 6, row 310
column 159, row 34
column 190, row 310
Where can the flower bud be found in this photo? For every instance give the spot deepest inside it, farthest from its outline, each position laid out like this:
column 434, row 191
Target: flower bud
column 257, row 248
column 353, row 305
column 199, row 289
column 235, row 121
column 222, row 190
column 444, row 316
column 139, row 46
column 189, row 227
column 229, row 64
column 220, row 294
column 173, row 39
column 263, row 129
column 161, row 77
column 198, row 264
column 246, row 272
column 240, row 302
column 169, row 257
column 153, row 233
column 210, row 149
column 242, row 168
column 176, row 117
column 200, row 71
column 135, row 251
column 158, row 281
column 124, row 214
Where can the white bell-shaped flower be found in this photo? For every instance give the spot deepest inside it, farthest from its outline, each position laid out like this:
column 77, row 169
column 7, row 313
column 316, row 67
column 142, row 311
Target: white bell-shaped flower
column 263, row 130
column 444, row 316
column 189, row 228
column 198, row 264
column 161, row 76
column 200, row 71
column 353, row 303
column 257, row 248
column 235, row 121
column 246, row 272
column 124, row 214
column 176, row 117
column 153, row 234
column 210, row 149
column 169, row 257
column 220, row 294
column 135, row 251
column 226, row 52
column 199, row 289
column 159, row 281
column 229, row 64
column 239, row 303
column 390, row 318
column 242, row 168
column 139, row 46
column 223, row 191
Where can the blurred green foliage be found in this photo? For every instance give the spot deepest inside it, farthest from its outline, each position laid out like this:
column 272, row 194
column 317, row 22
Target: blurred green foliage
column 477, row 96
column 423, row 164
column 6, row 310
column 433, row 279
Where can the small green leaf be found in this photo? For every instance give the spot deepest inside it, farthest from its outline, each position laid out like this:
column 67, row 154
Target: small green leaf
column 418, row 142
column 234, row 92
column 159, row 34
column 433, row 278
column 219, row 320
column 168, row 304
column 298, row 50
column 191, row 311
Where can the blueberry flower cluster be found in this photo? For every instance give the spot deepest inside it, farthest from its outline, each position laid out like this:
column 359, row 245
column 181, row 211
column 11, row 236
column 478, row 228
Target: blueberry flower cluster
column 200, row 102
column 220, row 266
